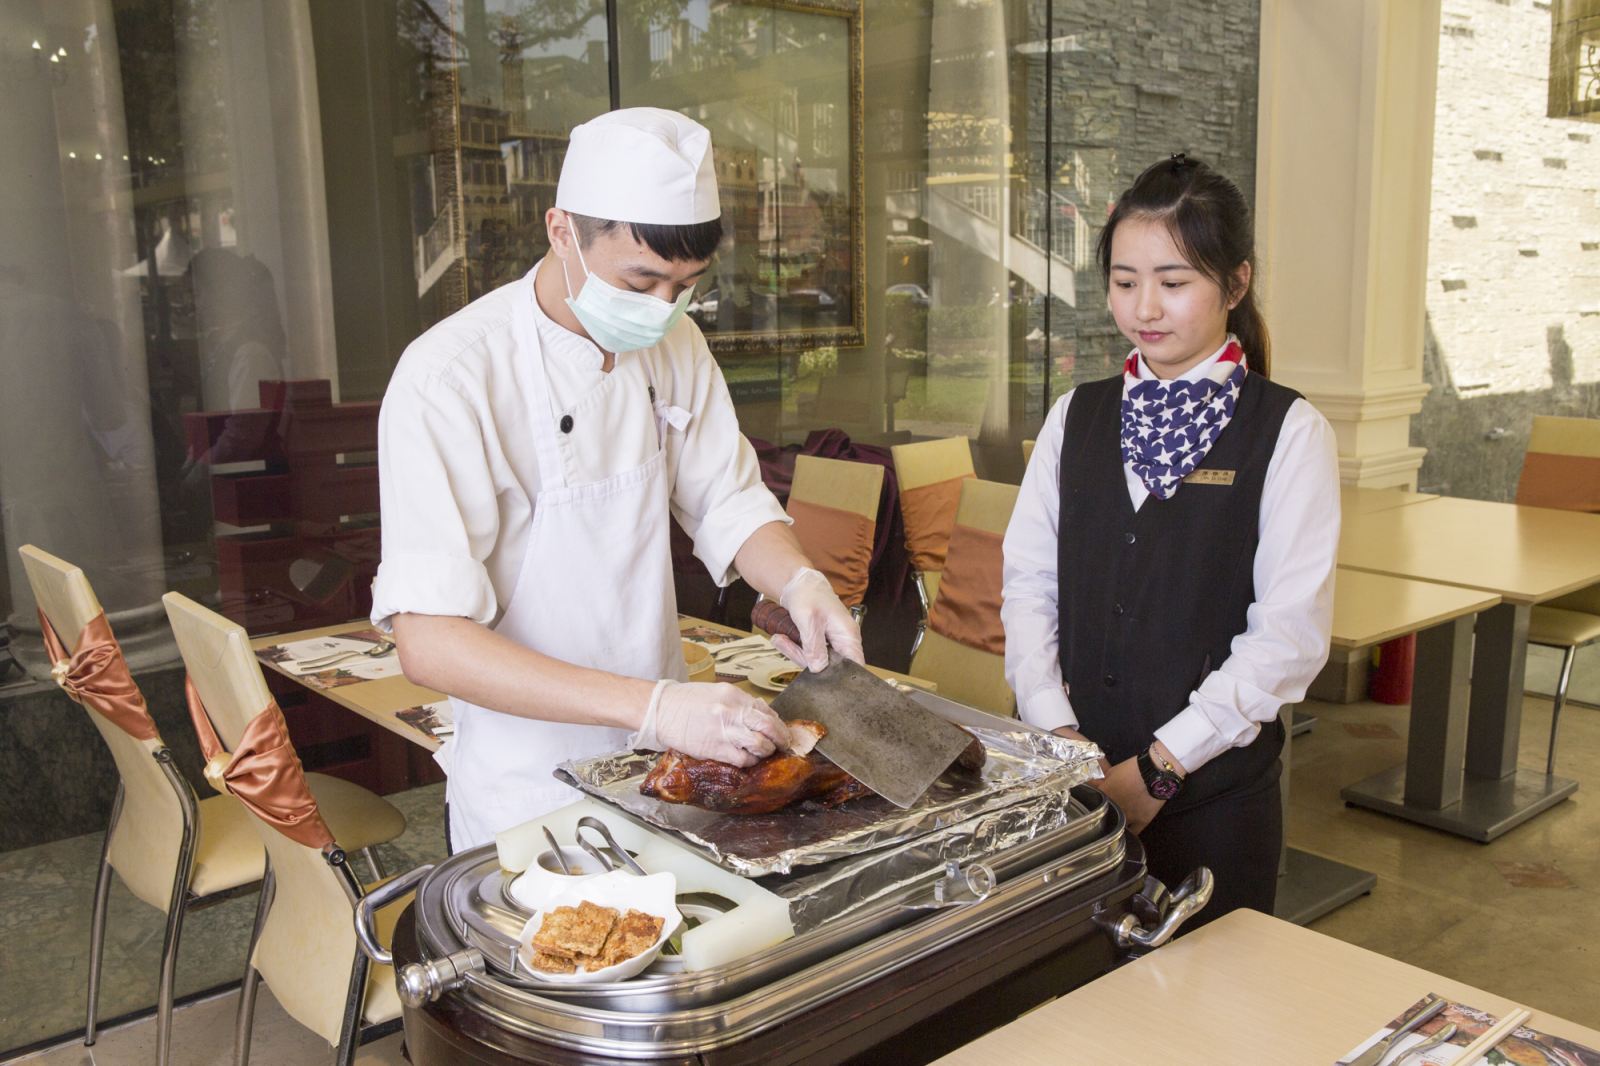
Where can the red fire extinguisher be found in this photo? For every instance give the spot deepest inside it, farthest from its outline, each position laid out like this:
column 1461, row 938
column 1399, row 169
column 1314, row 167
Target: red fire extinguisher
column 1392, row 664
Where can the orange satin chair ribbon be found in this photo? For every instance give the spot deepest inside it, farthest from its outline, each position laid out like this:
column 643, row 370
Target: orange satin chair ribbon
column 930, row 514
column 1568, row 482
column 838, row 543
column 263, row 772
column 96, row 676
column 968, row 608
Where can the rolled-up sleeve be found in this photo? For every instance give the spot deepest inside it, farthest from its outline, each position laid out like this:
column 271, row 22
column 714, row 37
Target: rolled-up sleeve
column 718, row 496
column 437, row 502
column 1287, row 628
column 1029, row 609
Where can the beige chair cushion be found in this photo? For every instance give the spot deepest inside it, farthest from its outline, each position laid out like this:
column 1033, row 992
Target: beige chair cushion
column 383, row 998
column 230, row 853
column 358, row 817
column 930, row 582
column 1563, row 629
column 966, row 675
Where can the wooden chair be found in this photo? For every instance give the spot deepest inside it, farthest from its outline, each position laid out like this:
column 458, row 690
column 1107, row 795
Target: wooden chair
column 834, row 504
column 963, row 651
column 930, row 475
column 1561, row 469
column 304, row 940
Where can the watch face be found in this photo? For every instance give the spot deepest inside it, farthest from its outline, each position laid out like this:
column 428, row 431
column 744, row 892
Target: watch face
column 1164, row 786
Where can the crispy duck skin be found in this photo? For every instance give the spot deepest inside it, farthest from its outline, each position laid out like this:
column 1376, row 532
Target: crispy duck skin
column 770, row 785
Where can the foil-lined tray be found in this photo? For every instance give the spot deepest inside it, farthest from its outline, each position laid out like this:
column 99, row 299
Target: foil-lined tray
column 1023, row 767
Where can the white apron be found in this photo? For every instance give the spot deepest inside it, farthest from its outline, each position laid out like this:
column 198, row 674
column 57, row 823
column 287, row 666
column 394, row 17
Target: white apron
column 595, row 590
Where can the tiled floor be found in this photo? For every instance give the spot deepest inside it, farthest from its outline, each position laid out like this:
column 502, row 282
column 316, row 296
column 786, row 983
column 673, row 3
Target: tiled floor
column 1517, row 916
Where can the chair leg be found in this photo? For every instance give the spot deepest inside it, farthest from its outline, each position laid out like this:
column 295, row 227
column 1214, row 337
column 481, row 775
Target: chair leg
column 177, row 905
column 355, row 1002
column 1567, row 655
column 169, row 970
column 252, row 977
column 370, row 853
column 97, row 925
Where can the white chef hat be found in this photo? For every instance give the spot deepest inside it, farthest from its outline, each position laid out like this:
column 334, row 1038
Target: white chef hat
column 640, row 164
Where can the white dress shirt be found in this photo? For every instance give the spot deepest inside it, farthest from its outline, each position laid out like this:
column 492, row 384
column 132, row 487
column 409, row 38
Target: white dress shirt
column 458, row 473
column 1285, row 641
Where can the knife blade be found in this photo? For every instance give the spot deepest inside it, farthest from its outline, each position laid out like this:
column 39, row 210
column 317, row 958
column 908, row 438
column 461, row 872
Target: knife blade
column 876, row 733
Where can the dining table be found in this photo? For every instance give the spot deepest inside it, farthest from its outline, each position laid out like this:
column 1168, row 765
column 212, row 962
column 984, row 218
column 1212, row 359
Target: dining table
column 1246, row 988
column 1522, row 555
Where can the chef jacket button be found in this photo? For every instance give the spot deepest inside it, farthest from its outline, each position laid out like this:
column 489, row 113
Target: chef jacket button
column 1116, row 609
column 1129, row 538
column 566, row 423
column 652, row 389
column 1111, row 681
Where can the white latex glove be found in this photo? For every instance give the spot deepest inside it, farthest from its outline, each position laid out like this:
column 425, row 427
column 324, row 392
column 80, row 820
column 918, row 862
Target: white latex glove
column 710, row 721
column 823, row 620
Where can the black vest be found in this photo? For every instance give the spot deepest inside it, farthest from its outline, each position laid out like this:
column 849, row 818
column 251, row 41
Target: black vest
column 1150, row 601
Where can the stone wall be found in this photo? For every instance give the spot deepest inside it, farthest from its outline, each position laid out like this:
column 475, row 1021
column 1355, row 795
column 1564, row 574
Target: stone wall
column 1514, row 252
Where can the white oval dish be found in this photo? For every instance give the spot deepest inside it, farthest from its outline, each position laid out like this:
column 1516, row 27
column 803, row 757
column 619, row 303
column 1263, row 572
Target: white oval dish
column 655, row 895
column 768, row 677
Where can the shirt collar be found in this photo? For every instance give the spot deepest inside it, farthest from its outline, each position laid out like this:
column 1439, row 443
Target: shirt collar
column 556, row 338
column 1194, row 373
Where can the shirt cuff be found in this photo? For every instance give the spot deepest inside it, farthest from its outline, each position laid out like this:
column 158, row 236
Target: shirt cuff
column 729, row 524
column 1048, row 708
column 445, row 585
column 1192, row 739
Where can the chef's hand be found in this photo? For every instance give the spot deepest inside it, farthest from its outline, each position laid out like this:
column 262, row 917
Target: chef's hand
column 824, row 622
column 710, row 721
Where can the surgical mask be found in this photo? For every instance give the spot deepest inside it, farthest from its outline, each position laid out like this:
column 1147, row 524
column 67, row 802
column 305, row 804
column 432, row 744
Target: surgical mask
column 616, row 319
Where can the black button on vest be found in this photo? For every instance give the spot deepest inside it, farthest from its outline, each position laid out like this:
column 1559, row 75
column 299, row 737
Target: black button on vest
column 1177, row 574
column 566, row 423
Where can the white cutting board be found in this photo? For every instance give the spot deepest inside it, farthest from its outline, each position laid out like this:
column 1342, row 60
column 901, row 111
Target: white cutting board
column 758, row 920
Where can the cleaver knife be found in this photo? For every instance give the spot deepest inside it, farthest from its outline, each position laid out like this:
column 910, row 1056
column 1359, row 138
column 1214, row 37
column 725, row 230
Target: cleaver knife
column 876, row 733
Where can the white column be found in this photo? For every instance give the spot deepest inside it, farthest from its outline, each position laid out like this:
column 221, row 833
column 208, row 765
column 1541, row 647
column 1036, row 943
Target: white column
column 1343, row 181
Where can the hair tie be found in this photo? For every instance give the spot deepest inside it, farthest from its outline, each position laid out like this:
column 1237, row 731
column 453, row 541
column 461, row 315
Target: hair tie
column 1181, row 160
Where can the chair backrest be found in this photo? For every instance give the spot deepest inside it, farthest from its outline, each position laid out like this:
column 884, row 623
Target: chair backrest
column 1027, row 452
column 929, row 475
column 1561, row 467
column 148, row 835
column 963, row 651
column 834, row 504
column 307, row 947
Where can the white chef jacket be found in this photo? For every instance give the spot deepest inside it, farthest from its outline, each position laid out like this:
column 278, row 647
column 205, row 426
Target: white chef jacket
column 458, row 473
column 1285, row 642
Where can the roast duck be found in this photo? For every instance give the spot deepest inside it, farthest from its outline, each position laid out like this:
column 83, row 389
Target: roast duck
column 779, row 780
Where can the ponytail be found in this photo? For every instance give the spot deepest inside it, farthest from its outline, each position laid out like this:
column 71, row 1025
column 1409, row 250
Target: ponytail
column 1210, row 223
column 1246, row 323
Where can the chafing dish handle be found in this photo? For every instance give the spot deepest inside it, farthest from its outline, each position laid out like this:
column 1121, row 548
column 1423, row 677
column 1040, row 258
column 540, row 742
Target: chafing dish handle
column 1193, row 894
column 382, row 896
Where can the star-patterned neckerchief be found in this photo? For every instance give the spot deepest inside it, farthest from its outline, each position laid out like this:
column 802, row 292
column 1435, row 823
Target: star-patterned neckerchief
column 1169, row 426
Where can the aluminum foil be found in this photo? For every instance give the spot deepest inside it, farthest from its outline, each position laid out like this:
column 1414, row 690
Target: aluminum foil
column 1026, row 769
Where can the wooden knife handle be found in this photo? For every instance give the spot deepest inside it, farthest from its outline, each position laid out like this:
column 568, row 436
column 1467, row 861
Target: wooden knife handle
column 775, row 620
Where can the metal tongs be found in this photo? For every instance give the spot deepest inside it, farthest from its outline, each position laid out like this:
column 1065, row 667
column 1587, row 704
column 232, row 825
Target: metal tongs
column 613, row 857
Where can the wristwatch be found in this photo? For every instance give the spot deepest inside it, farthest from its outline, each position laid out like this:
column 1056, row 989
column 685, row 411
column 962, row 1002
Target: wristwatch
column 1162, row 782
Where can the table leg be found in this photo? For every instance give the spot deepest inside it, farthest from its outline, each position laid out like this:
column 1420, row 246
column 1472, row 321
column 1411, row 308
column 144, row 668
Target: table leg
column 1436, row 751
column 1310, row 886
column 1441, row 785
column 1499, row 669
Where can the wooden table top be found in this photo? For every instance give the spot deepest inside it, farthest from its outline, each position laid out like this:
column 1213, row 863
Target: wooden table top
column 1246, row 988
column 1356, row 500
column 1371, row 608
column 381, row 701
column 1523, row 554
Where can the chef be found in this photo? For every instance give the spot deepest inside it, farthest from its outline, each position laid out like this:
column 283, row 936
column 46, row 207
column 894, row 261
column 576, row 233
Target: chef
column 531, row 448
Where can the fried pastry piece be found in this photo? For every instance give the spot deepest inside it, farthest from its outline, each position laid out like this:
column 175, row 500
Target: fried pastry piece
column 634, row 932
column 571, row 932
column 553, row 963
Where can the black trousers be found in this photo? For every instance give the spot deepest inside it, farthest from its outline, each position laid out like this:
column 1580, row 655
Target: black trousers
column 1239, row 835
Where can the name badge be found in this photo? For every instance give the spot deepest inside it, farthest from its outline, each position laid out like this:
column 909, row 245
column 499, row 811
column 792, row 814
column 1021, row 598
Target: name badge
column 1210, row 477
